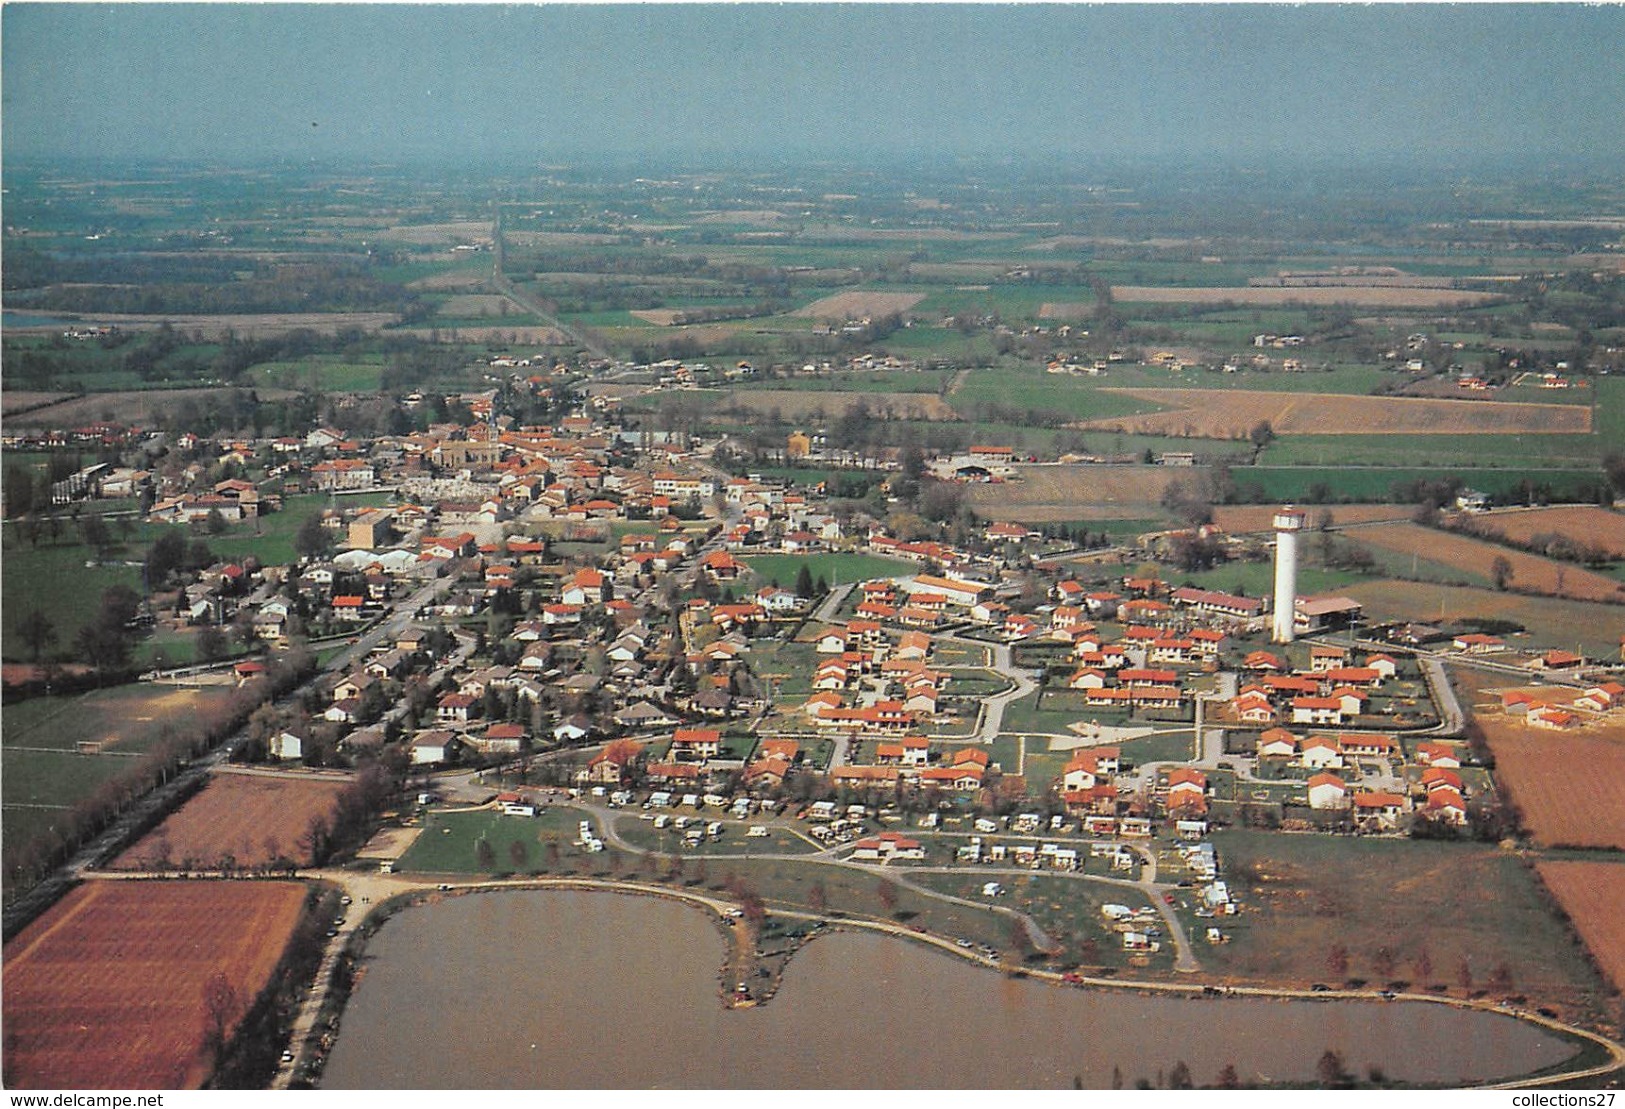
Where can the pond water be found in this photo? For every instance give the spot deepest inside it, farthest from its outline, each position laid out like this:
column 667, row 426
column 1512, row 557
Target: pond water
column 586, row 990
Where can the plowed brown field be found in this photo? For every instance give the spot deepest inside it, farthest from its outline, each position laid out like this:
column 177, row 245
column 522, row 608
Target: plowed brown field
column 1583, row 524
column 251, row 817
column 1246, row 518
column 106, row 990
column 1569, row 786
column 1593, row 894
column 1530, row 573
column 1230, row 414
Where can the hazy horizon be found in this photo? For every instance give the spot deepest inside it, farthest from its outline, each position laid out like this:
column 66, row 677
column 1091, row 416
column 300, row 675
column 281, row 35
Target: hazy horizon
column 1423, row 86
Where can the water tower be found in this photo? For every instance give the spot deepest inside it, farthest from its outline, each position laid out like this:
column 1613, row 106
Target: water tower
column 1288, row 522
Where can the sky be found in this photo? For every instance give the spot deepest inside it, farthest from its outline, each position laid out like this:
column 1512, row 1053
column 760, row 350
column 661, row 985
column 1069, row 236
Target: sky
column 1236, row 84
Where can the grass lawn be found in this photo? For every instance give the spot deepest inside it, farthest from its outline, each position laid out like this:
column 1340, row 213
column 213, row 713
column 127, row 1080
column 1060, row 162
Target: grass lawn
column 835, row 568
column 733, row 843
column 788, row 665
column 785, row 883
column 44, row 776
column 1068, row 909
column 1355, row 483
column 1048, row 711
column 1175, row 746
column 327, row 372
column 270, row 538
column 449, row 843
column 1440, row 913
column 995, row 392
column 54, row 579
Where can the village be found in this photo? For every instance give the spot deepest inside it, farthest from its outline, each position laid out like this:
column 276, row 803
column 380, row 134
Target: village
column 577, row 607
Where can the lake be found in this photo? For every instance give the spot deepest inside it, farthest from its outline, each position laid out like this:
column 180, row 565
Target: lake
column 586, row 990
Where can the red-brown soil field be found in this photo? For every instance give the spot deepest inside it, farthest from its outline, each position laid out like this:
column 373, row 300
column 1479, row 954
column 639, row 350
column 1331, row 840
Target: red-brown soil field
column 1581, row 523
column 1229, row 414
column 1241, row 518
column 1593, row 895
column 251, row 817
column 106, row 990
column 1530, row 573
column 1568, row 785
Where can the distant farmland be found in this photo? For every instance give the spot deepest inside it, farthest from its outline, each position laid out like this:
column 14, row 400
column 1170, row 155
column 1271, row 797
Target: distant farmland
column 1082, row 492
column 1246, row 518
column 1208, row 413
column 858, row 304
column 799, row 404
column 1361, row 296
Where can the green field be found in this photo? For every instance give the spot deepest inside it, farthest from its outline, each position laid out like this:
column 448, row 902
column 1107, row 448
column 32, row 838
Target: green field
column 1067, row 909
column 1050, row 397
column 1463, row 904
column 733, row 843
column 42, row 773
column 323, row 372
column 1354, row 484
column 835, row 568
column 53, row 578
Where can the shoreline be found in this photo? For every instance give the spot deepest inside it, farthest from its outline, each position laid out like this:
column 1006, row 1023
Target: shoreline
column 745, row 969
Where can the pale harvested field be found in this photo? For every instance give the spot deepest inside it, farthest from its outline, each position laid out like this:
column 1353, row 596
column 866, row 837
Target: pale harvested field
column 251, row 817
column 106, row 989
column 1529, row 572
column 1230, row 414
column 1593, row 896
column 477, row 304
column 1583, row 523
column 20, row 400
column 759, row 216
column 1551, row 622
column 460, row 231
column 1360, row 296
column 660, row 317
column 559, row 238
column 536, row 336
column 1071, row 310
column 1047, row 493
column 1246, row 518
column 244, row 326
column 858, row 304
column 797, row 404
column 136, row 407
